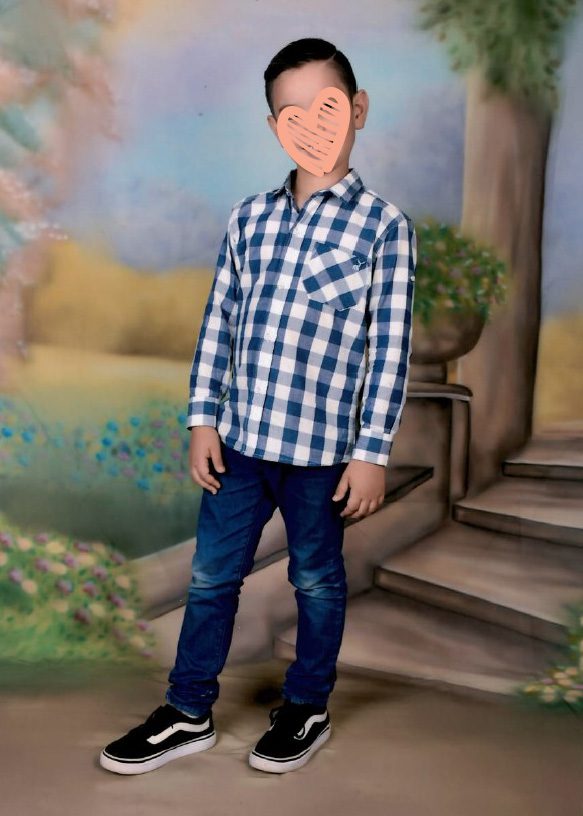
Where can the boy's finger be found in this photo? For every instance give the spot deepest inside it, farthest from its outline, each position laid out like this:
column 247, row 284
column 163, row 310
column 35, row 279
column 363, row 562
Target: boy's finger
column 217, row 460
column 341, row 489
column 205, row 476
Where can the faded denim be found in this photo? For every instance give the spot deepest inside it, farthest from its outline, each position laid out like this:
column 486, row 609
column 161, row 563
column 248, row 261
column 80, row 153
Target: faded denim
column 229, row 529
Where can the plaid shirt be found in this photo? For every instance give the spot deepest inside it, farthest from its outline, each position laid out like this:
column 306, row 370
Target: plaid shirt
column 303, row 353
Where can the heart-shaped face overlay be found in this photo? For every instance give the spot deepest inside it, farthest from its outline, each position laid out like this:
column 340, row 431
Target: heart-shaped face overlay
column 314, row 138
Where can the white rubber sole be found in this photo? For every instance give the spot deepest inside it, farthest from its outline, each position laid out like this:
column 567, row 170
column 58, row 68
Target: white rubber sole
column 143, row 766
column 263, row 763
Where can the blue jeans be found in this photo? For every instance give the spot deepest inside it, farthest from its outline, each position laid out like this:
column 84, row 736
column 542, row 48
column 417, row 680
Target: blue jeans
column 229, row 529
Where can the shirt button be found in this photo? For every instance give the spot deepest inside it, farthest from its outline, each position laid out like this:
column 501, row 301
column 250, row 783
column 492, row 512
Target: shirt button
column 355, row 266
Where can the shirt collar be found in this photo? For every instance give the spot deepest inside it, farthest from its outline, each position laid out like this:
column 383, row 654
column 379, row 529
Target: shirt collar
column 344, row 189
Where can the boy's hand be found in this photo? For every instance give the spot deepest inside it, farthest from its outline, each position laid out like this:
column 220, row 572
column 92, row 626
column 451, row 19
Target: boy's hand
column 367, row 488
column 205, row 444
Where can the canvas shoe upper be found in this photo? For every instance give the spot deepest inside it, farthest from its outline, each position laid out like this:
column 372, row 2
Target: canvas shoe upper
column 297, row 731
column 165, row 735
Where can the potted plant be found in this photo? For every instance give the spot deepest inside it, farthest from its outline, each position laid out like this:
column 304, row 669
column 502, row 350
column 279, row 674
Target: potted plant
column 457, row 283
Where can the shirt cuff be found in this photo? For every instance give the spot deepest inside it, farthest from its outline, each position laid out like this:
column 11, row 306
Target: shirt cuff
column 373, row 446
column 202, row 412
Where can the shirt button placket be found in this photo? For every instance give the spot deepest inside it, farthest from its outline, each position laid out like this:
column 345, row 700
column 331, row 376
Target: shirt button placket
column 265, row 356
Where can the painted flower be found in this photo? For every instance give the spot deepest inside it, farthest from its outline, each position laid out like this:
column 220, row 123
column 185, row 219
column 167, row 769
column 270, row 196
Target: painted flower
column 6, row 540
column 42, row 564
column 41, row 538
column 549, row 695
column 3, row 558
column 572, row 696
column 142, row 624
column 58, row 568
column 100, row 572
column 127, row 613
column 70, row 560
column 123, row 581
column 99, row 547
column 29, row 586
column 116, row 600
column 24, row 543
column 84, row 546
column 565, row 681
column 16, row 575
column 85, row 559
column 64, row 586
column 82, row 615
column 138, row 641
column 97, row 609
column 60, row 605
column 90, row 588
column 55, row 547
column 117, row 557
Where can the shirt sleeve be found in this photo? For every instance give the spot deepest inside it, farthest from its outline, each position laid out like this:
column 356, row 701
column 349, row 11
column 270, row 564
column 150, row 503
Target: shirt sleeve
column 389, row 334
column 211, row 370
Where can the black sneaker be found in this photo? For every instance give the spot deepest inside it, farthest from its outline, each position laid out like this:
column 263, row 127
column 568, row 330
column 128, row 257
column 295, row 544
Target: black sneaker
column 166, row 735
column 297, row 731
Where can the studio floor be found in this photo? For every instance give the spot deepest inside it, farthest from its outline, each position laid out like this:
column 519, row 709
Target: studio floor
column 396, row 749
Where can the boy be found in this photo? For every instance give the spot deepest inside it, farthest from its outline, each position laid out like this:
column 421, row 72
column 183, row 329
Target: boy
column 311, row 277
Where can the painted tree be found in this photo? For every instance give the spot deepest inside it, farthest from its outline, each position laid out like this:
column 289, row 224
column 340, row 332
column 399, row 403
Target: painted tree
column 510, row 52
column 53, row 97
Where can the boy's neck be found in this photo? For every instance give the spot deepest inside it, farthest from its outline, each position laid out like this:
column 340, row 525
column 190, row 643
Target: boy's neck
column 306, row 183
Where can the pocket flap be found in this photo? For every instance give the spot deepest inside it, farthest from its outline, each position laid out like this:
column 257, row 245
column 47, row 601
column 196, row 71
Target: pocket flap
column 334, row 275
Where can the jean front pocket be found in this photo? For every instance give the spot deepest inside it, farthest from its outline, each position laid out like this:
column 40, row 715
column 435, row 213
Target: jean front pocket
column 335, row 276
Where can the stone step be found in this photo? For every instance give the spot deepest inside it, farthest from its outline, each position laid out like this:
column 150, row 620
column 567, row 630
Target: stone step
column 523, row 584
column 537, row 508
column 551, row 455
column 402, row 639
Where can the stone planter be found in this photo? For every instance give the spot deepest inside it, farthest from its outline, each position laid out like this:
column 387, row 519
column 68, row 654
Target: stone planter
column 449, row 335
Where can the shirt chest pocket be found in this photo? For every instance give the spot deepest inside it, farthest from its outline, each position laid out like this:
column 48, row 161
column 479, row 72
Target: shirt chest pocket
column 335, row 276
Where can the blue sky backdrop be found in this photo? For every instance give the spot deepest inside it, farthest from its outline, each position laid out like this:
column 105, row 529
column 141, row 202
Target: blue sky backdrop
column 188, row 75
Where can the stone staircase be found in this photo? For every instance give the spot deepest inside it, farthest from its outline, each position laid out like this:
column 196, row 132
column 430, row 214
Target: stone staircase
column 478, row 606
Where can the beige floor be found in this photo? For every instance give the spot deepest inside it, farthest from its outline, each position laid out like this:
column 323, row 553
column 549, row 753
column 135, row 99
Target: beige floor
column 395, row 749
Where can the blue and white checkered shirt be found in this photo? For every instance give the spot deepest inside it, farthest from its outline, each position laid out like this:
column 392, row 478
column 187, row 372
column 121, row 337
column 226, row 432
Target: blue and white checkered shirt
column 303, row 353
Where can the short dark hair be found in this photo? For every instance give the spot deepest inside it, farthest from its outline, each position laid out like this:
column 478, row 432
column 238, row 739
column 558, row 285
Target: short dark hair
column 308, row 49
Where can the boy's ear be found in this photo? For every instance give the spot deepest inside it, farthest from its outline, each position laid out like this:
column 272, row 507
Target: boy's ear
column 360, row 103
column 272, row 122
